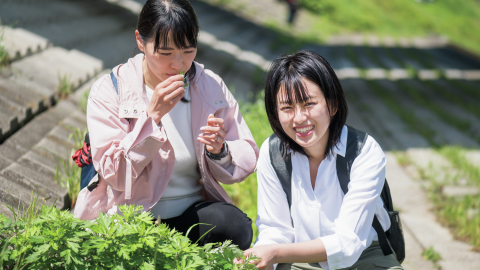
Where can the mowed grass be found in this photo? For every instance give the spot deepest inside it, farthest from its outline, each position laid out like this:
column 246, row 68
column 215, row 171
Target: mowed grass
column 459, row 21
column 244, row 195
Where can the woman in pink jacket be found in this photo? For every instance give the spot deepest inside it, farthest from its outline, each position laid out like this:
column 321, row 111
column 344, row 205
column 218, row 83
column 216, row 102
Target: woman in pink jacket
column 166, row 140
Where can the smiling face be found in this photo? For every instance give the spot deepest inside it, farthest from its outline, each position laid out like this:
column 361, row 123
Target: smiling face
column 306, row 123
column 167, row 61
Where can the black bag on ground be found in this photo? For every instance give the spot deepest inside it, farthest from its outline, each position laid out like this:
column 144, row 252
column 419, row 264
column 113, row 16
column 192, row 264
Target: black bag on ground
column 355, row 142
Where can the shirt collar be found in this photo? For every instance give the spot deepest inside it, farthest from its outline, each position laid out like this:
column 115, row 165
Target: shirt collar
column 341, row 146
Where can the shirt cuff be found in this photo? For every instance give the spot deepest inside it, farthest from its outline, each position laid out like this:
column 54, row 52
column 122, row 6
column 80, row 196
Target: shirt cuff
column 226, row 163
column 333, row 250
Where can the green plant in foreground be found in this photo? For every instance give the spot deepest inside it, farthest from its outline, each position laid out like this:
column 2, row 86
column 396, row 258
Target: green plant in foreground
column 64, row 87
column 54, row 239
column 431, row 255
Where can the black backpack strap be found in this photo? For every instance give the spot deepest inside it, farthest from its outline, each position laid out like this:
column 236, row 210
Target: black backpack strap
column 89, row 173
column 114, row 80
column 282, row 166
column 355, row 141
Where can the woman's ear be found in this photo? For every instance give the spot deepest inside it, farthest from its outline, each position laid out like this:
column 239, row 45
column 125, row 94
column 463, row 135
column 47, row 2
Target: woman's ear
column 139, row 39
column 334, row 110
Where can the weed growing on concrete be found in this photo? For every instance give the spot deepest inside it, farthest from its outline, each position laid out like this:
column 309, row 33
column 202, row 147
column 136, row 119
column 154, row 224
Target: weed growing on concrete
column 456, row 155
column 431, row 255
column 64, row 87
column 460, row 212
column 83, row 102
column 70, row 178
column 4, row 57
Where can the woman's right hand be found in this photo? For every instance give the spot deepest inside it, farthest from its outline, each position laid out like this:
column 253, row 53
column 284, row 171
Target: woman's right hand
column 165, row 95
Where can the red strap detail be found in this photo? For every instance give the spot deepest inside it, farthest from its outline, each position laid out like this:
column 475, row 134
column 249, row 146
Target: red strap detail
column 76, row 157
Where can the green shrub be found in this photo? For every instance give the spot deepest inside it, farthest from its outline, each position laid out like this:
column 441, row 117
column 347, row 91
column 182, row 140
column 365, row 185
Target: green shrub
column 53, row 239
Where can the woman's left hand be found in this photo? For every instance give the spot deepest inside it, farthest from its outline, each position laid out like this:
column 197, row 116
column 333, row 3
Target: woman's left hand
column 213, row 135
column 266, row 253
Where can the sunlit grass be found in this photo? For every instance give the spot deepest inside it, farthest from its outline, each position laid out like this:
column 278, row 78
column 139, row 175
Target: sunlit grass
column 244, row 195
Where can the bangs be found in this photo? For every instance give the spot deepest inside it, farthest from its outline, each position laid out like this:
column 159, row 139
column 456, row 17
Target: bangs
column 292, row 89
column 176, row 29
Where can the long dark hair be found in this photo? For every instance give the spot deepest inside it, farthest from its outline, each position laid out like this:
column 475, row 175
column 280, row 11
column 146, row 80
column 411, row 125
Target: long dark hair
column 288, row 72
column 159, row 18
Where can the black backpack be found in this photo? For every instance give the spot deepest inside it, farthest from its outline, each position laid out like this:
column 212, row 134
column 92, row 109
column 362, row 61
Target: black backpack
column 355, row 142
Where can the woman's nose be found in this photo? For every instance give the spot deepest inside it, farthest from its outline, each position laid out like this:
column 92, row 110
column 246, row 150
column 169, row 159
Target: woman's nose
column 176, row 63
column 299, row 116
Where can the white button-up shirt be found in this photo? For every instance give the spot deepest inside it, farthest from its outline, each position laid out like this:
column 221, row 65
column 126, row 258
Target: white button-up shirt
column 342, row 222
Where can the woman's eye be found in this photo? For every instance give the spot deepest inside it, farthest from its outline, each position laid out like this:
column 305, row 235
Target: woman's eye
column 165, row 54
column 285, row 108
column 310, row 104
column 188, row 51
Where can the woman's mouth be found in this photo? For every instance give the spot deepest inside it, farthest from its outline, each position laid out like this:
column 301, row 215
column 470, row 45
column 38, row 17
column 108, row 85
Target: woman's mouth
column 304, row 131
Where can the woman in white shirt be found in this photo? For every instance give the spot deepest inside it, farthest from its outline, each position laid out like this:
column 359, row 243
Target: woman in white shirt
column 324, row 228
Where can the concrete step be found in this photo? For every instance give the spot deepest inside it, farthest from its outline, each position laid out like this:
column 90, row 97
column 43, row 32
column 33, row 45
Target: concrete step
column 231, row 26
column 363, row 57
column 433, row 94
column 218, row 61
column 19, row 42
column 452, row 59
column 21, row 101
column 22, row 13
column 326, row 51
column 31, row 156
column 112, row 49
column 249, row 34
column 72, row 32
column 375, row 114
column 47, row 67
column 442, row 132
column 36, row 181
column 339, row 55
column 385, row 59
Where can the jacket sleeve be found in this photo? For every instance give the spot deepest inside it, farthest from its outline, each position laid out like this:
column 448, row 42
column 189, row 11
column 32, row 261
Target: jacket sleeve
column 119, row 154
column 362, row 201
column 274, row 221
column 242, row 146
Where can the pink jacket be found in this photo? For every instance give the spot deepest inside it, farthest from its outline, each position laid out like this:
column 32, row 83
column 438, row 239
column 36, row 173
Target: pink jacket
column 135, row 159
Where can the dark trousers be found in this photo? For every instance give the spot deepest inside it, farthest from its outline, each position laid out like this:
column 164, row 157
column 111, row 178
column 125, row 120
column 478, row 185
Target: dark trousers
column 228, row 223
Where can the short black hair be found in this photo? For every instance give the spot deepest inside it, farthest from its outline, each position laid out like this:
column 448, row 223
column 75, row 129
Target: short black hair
column 287, row 72
column 159, row 18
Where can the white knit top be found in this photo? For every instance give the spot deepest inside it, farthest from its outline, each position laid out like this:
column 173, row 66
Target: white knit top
column 184, row 188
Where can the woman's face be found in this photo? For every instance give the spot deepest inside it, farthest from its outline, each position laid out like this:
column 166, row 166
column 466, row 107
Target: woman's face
column 307, row 123
column 168, row 60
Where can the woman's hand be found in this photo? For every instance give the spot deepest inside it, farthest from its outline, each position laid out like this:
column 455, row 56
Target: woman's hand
column 213, row 135
column 266, row 253
column 165, row 95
